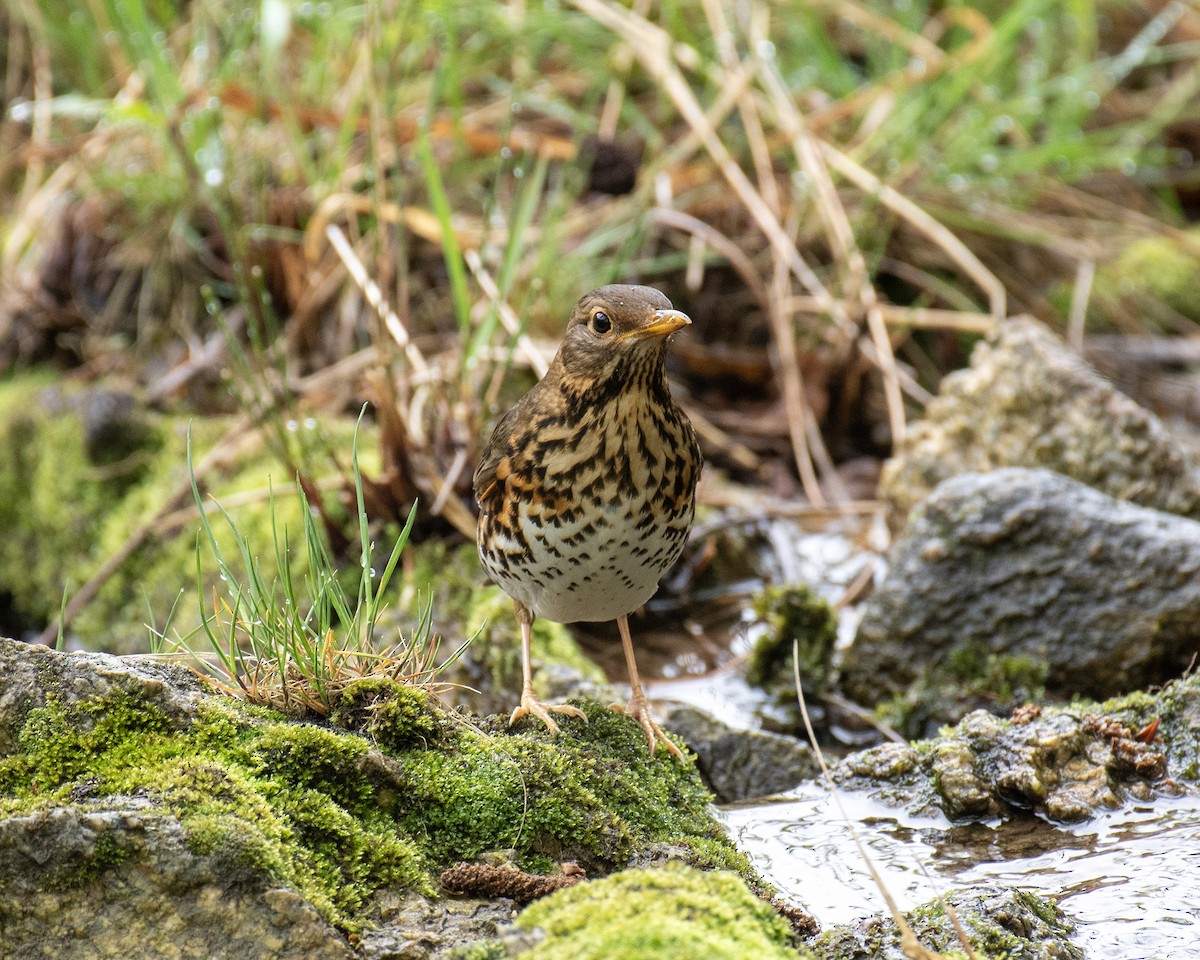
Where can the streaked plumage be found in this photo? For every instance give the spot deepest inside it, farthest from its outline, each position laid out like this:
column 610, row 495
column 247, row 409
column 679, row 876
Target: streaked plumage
column 587, row 487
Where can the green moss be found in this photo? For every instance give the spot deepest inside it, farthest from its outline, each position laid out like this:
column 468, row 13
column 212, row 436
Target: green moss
column 52, row 500
column 284, row 800
column 1148, row 272
column 394, row 715
column 105, row 855
column 1004, row 677
column 321, row 811
column 479, row 951
column 989, row 936
column 664, row 913
column 796, row 619
column 592, row 794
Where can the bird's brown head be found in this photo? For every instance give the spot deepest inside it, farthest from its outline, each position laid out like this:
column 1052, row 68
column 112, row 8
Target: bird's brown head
column 618, row 328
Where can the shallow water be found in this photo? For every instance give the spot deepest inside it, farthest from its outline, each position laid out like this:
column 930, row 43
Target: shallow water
column 1129, row 879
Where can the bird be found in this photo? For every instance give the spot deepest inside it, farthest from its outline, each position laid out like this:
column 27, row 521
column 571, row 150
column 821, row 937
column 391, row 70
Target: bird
column 587, row 487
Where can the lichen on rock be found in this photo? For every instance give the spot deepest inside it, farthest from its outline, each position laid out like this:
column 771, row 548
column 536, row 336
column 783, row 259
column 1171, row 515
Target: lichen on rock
column 1066, row 763
column 1028, row 401
column 1001, row 924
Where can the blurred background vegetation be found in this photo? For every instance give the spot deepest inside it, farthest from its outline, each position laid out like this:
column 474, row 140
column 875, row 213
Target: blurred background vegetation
column 284, row 210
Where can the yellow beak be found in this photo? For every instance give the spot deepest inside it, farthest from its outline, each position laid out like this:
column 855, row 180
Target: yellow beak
column 665, row 322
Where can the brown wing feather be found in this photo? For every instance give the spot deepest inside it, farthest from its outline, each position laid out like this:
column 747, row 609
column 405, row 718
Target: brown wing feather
column 488, row 490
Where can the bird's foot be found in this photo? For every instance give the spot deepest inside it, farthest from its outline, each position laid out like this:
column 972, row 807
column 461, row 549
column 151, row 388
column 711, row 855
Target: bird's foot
column 639, row 709
column 531, row 705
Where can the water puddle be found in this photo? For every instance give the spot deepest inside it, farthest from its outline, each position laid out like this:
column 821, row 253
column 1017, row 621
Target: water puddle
column 1129, row 879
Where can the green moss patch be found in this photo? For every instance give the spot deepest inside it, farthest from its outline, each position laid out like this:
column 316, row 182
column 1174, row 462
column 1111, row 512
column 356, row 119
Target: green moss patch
column 275, row 798
column 591, row 794
column 796, row 619
column 663, row 913
column 340, row 815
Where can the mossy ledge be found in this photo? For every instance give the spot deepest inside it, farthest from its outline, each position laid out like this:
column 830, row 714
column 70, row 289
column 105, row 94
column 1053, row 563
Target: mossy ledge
column 1066, row 762
column 331, row 815
column 659, row 914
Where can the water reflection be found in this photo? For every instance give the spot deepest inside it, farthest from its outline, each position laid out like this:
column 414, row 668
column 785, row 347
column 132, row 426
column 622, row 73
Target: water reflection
column 1130, row 879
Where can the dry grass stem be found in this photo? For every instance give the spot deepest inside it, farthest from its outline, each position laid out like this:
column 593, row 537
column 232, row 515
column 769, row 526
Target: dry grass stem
column 1080, row 294
column 374, row 297
column 921, row 221
column 537, row 358
column 726, row 247
column 874, row 22
column 909, row 944
column 840, row 236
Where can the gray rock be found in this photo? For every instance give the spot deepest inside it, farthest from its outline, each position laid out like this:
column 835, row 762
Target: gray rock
column 1013, row 923
column 33, row 672
column 1066, row 764
column 742, row 764
column 420, row 929
column 121, row 882
column 1028, row 401
column 1026, row 569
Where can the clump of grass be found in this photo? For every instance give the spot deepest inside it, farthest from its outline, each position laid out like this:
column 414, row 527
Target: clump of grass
column 292, row 641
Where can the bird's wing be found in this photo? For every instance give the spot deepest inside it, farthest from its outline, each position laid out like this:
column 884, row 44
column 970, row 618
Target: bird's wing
column 488, row 487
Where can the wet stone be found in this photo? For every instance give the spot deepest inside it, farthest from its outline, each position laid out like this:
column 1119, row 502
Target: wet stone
column 742, row 764
column 1000, row 922
column 1065, row 764
column 1009, row 581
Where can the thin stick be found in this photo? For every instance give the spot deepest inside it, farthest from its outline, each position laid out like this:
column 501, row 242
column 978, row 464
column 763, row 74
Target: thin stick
column 374, row 296
column 1080, row 295
column 508, row 316
column 909, row 943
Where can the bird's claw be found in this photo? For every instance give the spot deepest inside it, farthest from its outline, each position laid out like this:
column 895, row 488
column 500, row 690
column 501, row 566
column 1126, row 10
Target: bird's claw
column 639, row 709
column 531, row 705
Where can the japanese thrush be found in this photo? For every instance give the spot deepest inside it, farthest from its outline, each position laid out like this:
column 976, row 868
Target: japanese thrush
column 587, row 487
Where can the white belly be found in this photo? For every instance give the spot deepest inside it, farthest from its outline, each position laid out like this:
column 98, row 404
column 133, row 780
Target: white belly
column 597, row 570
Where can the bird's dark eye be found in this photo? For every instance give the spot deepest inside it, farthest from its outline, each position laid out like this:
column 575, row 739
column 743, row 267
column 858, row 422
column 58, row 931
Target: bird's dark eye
column 600, row 322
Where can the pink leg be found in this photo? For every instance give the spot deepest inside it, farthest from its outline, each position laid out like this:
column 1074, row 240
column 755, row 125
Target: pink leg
column 637, row 707
column 530, row 704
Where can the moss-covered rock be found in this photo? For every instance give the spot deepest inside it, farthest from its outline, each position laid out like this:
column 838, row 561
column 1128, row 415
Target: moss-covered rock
column 334, row 817
column 1001, row 924
column 1065, row 763
column 658, row 914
